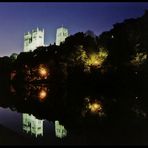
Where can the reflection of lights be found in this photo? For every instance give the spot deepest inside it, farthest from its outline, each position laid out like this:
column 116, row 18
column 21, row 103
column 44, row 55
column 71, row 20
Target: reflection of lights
column 95, row 107
column 12, row 89
column 42, row 95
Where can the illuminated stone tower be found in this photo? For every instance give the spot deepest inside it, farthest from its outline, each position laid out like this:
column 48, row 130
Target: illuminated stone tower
column 32, row 125
column 33, row 40
column 61, row 35
column 60, row 131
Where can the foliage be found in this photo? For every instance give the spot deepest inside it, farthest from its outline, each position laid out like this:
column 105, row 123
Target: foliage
column 139, row 59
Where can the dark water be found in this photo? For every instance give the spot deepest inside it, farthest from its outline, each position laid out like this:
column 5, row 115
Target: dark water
column 58, row 115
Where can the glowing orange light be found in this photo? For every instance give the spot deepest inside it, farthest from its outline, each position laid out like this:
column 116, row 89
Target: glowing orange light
column 96, row 62
column 95, row 107
column 43, row 72
column 42, row 95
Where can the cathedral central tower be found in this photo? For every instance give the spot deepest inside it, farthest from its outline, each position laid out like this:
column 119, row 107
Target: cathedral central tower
column 61, row 35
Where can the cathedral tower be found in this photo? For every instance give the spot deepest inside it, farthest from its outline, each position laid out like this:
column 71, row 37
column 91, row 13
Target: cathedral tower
column 61, row 35
column 33, row 40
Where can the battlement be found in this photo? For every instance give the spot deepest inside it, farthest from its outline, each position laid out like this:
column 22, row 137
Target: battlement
column 27, row 33
column 34, row 31
column 33, row 39
column 37, row 30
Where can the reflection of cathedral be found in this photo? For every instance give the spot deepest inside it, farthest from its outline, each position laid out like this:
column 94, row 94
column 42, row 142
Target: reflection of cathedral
column 32, row 125
column 60, row 131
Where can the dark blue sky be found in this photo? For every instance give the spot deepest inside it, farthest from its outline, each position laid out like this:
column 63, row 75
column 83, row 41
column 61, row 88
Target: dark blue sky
column 18, row 18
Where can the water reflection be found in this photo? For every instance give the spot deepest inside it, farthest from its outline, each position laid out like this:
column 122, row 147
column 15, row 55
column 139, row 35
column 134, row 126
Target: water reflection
column 42, row 94
column 12, row 89
column 60, row 130
column 93, row 106
column 37, row 91
column 76, row 114
column 32, row 125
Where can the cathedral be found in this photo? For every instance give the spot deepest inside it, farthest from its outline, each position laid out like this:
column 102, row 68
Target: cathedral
column 61, row 35
column 32, row 125
column 35, row 38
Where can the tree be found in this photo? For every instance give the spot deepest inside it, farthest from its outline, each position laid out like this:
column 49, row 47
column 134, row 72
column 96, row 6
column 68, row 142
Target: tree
column 13, row 56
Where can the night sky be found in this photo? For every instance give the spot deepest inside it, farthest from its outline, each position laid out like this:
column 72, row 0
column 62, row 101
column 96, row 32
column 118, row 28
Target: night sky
column 18, row 18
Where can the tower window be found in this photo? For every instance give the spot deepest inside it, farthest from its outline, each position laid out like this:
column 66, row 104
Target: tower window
column 30, row 40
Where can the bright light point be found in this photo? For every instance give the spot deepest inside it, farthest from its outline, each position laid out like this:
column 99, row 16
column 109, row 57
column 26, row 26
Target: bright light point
column 97, row 59
column 94, row 107
column 112, row 36
column 42, row 95
column 96, row 63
